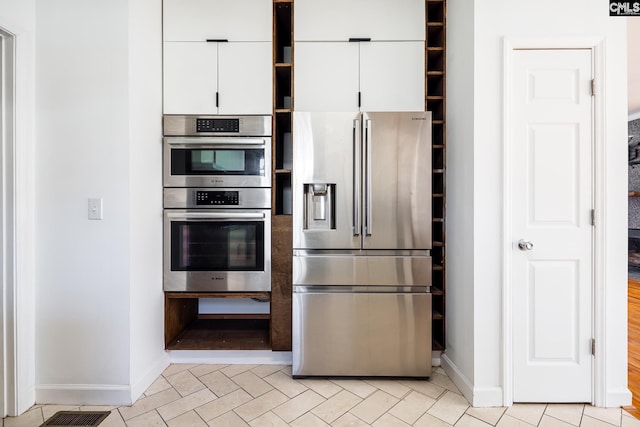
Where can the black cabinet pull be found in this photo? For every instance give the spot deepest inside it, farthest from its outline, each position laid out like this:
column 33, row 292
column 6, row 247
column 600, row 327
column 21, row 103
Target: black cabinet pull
column 360, row 39
column 359, row 99
column 217, row 40
column 217, row 99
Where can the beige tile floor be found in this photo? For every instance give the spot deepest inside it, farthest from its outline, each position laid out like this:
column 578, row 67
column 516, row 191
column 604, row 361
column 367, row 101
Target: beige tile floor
column 266, row 395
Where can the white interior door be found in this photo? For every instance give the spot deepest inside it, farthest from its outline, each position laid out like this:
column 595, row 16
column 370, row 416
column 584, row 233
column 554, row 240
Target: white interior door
column 552, row 200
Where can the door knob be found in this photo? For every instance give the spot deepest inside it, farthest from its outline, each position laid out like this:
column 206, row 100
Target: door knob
column 524, row 245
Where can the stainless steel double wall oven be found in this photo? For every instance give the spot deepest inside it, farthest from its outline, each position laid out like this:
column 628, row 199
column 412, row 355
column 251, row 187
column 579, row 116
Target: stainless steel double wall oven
column 217, row 203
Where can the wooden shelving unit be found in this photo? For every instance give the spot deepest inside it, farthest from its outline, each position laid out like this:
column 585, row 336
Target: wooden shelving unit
column 281, row 226
column 435, row 86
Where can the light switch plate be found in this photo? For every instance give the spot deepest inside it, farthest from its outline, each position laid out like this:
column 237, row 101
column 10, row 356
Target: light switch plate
column 95, row 208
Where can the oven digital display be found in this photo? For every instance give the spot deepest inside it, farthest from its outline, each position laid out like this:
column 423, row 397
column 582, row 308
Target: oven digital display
column 217, row 198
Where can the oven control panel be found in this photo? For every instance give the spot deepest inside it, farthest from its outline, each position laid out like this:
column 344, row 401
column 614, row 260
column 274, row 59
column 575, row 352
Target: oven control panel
column 217, row 125
column 217, row 198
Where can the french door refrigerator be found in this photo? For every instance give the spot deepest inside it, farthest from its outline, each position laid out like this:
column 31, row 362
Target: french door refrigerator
column 362, row 238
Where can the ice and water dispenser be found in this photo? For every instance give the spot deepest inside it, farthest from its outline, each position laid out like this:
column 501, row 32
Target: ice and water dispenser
column 319, row 210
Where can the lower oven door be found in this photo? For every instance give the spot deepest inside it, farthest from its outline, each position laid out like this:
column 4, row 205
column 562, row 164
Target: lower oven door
column 221, row 250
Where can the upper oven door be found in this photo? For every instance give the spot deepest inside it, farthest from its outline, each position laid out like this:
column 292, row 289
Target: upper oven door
column 217, row 161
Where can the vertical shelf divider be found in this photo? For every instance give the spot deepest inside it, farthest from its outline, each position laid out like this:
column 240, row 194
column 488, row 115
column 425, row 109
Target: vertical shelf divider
column 281, row 224
column 435, row 97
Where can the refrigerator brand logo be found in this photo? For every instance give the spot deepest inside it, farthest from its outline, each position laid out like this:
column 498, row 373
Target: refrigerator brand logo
column 217, row 278
column 418, row 118
column 624, row 8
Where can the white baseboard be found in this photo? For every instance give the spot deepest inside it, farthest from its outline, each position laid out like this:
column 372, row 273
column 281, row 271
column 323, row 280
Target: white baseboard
column 239, row 357
column 83, row 394
column 479, row 397
column 486, row 397
column 139, row 386
column 617, row 398
column 99, row 394
column 461, row 381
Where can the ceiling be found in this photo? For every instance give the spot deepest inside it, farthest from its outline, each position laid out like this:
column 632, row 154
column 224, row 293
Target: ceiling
column 633, row 55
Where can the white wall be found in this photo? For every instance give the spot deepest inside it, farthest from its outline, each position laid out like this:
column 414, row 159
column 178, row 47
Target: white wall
column 148, row 359
column 82, row 151
column 96, row 307
column 460, row 189
column 99, row 288
column 493, row 21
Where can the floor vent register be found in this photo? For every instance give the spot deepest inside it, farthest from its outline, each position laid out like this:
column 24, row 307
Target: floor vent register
column 76, row 418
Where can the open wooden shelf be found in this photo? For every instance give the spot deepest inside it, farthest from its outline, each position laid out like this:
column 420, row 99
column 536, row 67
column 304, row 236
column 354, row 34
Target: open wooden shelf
column 185, row 329
column 223, row 334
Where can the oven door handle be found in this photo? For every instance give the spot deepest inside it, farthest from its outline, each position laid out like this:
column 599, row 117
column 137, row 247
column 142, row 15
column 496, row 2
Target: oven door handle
column 217, row 141
column 216, row 215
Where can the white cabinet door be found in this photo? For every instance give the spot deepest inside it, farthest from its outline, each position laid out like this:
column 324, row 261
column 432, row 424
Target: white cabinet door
column 340, row 20
column 190, row 78
column 245, row 78
column 392, row 76
column 331, row 76
column 234, row 20
column 326, row 77
column 217, row 78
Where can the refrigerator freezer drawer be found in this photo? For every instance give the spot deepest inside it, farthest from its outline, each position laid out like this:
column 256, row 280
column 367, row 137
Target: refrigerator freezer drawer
column 362, row 270
column 361, row 334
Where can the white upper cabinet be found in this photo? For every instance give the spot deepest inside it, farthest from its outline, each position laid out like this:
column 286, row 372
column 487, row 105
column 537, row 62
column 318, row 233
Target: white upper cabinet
column 217, row 56
column 190, row 78
column 341, row 20
column 392, row 76
column 217, row 78
column 326, row 77
column 245, row 78
column 233, row 20
column 359, row 76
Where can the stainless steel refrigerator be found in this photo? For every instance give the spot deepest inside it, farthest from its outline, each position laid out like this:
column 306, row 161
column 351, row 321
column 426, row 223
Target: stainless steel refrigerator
column 362, row 238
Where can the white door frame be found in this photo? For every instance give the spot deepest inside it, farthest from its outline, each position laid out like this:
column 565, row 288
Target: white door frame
column 17, row 217
column 7, row 223
column 596, row 45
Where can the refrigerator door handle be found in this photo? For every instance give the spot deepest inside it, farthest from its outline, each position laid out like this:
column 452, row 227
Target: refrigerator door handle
column 368, row 226
column 356, row 177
